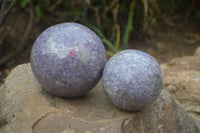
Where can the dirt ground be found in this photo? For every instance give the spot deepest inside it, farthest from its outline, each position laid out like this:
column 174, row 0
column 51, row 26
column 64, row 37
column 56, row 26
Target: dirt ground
column 169, row 43
column 163, row 44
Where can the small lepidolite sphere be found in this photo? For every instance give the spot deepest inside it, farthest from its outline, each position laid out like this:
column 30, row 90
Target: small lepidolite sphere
column 67, row 59
column 132, row 80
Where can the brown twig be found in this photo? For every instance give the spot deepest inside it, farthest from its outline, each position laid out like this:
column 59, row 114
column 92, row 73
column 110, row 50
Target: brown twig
column 55, row 5
column 107, row 8
column 190, row 10
column 3, row 5
column 22, row 43
column 4, row 13
column 96, row 11
column 10, row 7
column 115, row 23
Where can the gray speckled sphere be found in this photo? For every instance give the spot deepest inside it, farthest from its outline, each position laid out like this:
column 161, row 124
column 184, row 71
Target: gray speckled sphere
column 68, row 59
column 132, row 80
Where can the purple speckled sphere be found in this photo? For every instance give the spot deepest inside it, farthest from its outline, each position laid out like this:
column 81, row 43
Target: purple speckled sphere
column 68, row 59
column 132, row 80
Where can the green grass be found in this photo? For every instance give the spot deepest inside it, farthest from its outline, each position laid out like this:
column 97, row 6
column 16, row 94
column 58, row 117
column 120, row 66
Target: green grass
column 113, row 20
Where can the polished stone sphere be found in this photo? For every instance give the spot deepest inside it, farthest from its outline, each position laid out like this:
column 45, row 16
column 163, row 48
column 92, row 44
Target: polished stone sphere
column 67, row 59
column 132, row 80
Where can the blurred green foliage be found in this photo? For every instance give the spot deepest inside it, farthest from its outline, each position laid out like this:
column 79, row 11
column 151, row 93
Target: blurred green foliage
column 113, row 19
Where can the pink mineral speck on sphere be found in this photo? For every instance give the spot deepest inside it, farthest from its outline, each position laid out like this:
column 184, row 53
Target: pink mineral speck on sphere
column 72, row 53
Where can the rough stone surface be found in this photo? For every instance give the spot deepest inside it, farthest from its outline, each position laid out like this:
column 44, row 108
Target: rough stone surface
column 132, row 80
column 26, row 108
column 182, row 80
column 197, row 52
column 68, row 59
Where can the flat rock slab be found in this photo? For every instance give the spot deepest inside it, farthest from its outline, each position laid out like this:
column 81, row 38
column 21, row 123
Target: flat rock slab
column 181, row 77
column 197, row 52
column 26, row 108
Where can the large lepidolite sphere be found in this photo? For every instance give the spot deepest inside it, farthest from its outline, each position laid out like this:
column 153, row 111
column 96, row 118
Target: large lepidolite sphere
column 132, row 80
column 68, row 59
